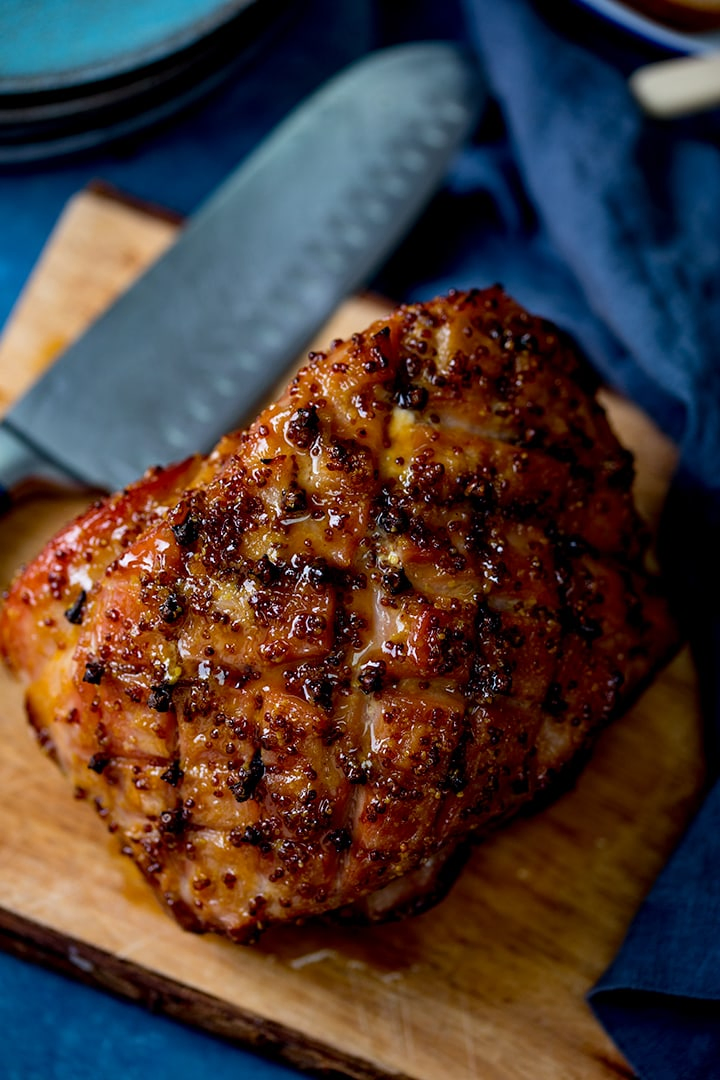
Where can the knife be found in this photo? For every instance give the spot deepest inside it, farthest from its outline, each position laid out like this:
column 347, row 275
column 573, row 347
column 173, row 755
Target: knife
column 193, row 348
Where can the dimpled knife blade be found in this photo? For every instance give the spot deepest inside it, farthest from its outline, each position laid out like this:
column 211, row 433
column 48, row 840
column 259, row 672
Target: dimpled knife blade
column 194, row 347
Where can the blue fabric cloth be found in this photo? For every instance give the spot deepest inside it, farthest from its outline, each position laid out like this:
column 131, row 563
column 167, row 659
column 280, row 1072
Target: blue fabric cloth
column 590, row 215
column 624, row 222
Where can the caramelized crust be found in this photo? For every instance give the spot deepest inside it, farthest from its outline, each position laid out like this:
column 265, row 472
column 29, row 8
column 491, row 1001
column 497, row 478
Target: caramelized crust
column 295, row 676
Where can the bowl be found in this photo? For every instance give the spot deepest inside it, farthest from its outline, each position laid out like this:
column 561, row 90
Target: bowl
column 651, row 31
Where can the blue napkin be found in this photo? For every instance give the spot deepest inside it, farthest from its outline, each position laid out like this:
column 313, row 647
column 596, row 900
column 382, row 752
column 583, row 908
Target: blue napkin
column 617, row 236
column 589, row 214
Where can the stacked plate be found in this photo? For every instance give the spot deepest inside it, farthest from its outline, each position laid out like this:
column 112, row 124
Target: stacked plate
column 78, row 73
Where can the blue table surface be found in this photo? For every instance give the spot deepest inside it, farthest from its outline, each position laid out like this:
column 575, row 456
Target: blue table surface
column 56, row 1029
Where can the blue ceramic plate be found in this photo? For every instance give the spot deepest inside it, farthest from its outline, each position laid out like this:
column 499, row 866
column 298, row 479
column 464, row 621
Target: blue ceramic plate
column 655, row 33
column 70, row 118
column 50, row 44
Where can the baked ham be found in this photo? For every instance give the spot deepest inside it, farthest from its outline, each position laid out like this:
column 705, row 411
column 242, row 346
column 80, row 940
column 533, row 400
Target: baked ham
column 297, row 675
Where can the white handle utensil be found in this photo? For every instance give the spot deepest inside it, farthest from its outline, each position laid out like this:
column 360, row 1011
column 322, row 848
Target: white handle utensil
column 678, row 87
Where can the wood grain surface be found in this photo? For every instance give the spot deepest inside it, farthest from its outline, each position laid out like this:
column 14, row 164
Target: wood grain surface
column 489, row 984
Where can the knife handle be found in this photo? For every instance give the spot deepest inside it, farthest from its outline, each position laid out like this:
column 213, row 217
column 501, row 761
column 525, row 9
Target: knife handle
column 678, row 87
column 21, row 466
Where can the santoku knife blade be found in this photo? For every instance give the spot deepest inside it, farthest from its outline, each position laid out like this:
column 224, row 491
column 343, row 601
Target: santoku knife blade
column 193, row 348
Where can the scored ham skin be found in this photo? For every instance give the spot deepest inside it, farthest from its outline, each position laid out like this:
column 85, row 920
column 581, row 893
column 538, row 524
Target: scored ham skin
column 294, row 676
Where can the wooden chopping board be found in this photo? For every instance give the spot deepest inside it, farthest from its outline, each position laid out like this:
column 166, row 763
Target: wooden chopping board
column 489, row 984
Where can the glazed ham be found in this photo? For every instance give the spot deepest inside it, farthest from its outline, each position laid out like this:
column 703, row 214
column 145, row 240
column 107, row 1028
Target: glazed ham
column 295, row 676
